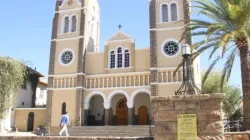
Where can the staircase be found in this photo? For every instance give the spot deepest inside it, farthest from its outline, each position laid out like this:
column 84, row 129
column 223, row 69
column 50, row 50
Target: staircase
column 113, row 131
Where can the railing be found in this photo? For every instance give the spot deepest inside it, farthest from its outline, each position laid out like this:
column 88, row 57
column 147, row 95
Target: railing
column 133, row 79
column 167, row 76
column 110, row 81
column 65, row 82
column 233, row 126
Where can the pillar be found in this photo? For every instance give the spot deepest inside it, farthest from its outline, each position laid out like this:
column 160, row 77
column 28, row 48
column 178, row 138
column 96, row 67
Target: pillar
column 107, row 106
column 130, row 112
column 86, row 110
column 107, row 116
column 85, row 117
column 130, row 116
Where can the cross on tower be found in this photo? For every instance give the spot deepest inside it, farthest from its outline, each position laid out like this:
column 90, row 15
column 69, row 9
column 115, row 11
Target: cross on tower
column 120, row 26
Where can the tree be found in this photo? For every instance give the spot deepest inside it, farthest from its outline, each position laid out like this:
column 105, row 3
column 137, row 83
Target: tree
column 227, row 29
column 232, row 100
column 12, row 75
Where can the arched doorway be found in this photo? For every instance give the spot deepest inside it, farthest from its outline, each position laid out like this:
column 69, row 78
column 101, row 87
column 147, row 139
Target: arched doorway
column 143, row 115
column 30, row 123
column 95, row 111
column 122, row 112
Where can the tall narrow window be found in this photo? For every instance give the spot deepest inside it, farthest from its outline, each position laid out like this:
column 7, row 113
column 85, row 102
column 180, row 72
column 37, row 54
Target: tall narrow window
column 112, row 59
column 164, row 13
column 173, row 12
column 127, row 58
column 119, row 57
column 73, row 26
column 64, row 108
column 66, row 25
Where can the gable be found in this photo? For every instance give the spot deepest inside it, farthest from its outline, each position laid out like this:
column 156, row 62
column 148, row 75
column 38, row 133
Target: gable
column 119, row 36
column 70, row 4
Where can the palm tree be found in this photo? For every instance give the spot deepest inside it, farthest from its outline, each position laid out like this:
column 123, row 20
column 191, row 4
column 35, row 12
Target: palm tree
column 227, row 29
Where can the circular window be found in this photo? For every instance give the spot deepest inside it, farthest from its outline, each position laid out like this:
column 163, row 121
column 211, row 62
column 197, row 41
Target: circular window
column 171, row 48
column 67, row 57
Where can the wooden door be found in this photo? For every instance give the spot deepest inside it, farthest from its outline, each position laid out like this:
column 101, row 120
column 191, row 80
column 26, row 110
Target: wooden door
column 122, row 112
column 143, row 115
column 30, row 123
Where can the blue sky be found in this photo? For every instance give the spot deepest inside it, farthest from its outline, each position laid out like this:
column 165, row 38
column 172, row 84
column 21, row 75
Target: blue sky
column 26, row 29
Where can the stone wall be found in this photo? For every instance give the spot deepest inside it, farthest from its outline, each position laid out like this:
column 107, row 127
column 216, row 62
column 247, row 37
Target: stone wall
column 73, row 138
column 237, row 136
column 207, row 107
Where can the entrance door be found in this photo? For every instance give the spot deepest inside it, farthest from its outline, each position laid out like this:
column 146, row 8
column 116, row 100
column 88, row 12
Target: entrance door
column 30, row 121
column 143, row 115
column 122, row 112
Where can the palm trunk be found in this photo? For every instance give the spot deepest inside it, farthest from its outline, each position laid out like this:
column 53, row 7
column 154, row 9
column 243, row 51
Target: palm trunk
column 245, row 76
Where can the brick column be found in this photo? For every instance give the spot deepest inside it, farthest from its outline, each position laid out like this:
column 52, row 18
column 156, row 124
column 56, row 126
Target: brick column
column 51, row 67
column 79, row 117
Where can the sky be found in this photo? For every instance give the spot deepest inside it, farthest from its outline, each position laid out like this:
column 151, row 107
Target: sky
column 25, row 30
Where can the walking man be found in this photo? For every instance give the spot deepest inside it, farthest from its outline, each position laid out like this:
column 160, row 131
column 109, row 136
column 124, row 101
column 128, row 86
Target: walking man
column 64, row 123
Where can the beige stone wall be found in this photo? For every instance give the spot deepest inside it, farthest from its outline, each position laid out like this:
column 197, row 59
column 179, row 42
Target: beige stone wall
column 21, row 118
column 59, row 97
column 61, row 45
column 207, row 107
column 95, row 63
column 142, row 59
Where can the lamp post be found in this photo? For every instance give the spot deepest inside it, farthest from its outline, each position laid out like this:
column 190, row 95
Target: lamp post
column 188, row 85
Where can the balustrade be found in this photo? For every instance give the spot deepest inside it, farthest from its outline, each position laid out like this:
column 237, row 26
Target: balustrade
column 66, row 82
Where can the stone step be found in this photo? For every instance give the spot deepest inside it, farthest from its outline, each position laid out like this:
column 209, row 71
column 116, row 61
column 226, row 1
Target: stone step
column 121, row 131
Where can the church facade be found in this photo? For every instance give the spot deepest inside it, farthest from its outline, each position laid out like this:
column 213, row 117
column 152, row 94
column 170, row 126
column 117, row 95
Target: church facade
column 112, row 87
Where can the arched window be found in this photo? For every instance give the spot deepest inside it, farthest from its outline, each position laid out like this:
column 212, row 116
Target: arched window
column 66, row 25
column 112, row 59
column 73, row 24
column 64, row 108
column 164, row 13
column 173, row 12
column 119, row 57
column 127, row 58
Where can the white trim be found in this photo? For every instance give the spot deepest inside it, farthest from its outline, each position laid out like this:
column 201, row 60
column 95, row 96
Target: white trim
column 70, row 23
column 109, row 58
column 30, row 109
column 94, row 53
column 73, row 88
column 66, row 75
column 163, row 44
column 119, row 41
column 167, row 29
column 67, row 0
column 66, row 39
column 164, row 3
column 129, row 52
column 166, row 68
column 115, row 92
column 167, row 83
column 63, row 23
column 60, row 55
column 119, row 68
column 109, row 88
column 169, row 12
column 118, row 74
column 119, row 31
column 93, row 93
column 142, row 90
column 177, row 10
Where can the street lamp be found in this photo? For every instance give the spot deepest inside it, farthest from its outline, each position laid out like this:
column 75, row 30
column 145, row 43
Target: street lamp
column 188, row 85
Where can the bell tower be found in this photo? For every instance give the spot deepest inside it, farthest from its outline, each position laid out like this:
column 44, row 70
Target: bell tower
column 167, row 19
column 75, row 32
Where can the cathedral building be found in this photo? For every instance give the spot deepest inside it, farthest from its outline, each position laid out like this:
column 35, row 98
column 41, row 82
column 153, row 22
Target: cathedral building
column 112, row 87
